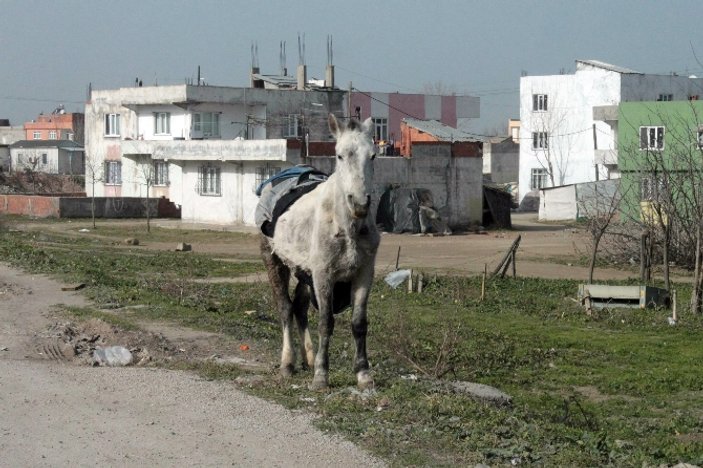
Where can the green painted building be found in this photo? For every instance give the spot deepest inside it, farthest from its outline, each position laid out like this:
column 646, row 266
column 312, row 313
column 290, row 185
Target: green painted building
column 660, row 155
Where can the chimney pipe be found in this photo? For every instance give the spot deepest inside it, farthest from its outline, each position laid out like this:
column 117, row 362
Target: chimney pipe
column 302, row 77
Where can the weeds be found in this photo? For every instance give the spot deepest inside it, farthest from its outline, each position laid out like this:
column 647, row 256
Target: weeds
column 621, row 387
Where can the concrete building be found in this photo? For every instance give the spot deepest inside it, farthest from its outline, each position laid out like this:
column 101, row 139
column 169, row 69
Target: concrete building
column 389, row 109
column 562, row 141
column 64, row 157
column 58, row 125
column 8, row 135
column 203, row 147
column 415, row 131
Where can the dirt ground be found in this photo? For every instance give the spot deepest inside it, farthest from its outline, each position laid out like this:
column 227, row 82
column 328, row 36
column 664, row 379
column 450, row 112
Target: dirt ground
column 56, row 409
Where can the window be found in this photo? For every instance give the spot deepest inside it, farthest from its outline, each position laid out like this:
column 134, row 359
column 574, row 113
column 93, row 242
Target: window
column 68, row 136
column 206, row 124
column 293, row 126
column 113, row 172
column 693, row 97
column 264, row 173
column 160, row 173
column 52, row 135
column 538, row 178
column 665, row 97
column 36, row 135
column 44, row 158
column 539, row 102
column 209, row 181
column 652, row 187
column 112, row 125
column 539, row 140
column 380, row 126
column 651, row 138
column 162, row 123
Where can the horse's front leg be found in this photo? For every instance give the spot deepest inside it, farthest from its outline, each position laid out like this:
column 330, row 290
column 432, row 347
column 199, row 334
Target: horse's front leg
column 361, row 287
column 323, row 294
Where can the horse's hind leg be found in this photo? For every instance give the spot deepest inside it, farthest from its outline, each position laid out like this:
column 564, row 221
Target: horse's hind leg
column 279, row 277
column 301, row 302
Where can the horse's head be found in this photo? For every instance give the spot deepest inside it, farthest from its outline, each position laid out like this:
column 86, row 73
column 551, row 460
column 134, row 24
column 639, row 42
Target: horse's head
column 355, row 154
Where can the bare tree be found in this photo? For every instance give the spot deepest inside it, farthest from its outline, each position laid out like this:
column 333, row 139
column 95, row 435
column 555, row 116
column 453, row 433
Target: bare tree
column 438, row 88
column 94, row 173
column 552, row 142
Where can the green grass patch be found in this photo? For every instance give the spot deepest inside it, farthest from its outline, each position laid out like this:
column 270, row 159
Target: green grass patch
column 620, row 387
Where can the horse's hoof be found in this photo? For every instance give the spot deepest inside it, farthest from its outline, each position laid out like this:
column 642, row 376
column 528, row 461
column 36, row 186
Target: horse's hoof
column 319, row 383
column 364, row 381
column 287, row 371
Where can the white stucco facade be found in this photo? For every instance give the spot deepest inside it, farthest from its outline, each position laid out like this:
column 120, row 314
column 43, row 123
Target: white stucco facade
column 578, row 147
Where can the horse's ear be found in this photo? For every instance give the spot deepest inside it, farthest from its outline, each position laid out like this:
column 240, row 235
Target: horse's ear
column 367, row 127
column 334, row 125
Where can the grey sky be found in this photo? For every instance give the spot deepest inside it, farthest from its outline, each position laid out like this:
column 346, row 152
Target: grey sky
column 50, row 50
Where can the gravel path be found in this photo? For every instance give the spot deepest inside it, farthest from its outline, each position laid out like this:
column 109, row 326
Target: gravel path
column 59, row 414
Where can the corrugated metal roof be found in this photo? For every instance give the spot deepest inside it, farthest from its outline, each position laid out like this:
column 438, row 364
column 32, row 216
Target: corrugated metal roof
column 441, row 131
column 607, row 66
column 63, row 144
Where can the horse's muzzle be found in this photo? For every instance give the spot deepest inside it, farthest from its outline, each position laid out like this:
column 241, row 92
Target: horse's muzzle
column 359, row 210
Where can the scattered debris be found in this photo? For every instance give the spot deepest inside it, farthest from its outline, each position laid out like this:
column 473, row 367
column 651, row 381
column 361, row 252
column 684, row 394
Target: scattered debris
column 131, row 241
column 4, row 348
column 113, row 356
column 183, row 247
column 396, row 278
column 244, row 347
column 84, row 230
column 482, row 392
column 74, row 287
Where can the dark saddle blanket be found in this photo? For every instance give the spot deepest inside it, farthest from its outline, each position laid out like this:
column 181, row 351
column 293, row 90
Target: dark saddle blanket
column 276, row 195
column 279, row 192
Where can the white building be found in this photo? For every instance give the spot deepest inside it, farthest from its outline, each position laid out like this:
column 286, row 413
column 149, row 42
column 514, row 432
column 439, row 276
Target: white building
column 567, row 133
column 63, row 157
column 205, row 148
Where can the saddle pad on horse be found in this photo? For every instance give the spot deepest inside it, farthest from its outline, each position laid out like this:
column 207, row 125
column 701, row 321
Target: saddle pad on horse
column 279, row 192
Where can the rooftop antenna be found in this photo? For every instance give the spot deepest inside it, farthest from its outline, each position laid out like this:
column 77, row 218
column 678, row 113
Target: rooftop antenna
column 282, row 58
column 329, row 49
column 301, row 50
column 254, row 54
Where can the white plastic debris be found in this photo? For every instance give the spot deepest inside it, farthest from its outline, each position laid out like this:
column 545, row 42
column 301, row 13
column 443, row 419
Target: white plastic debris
column 113, row 356
column 396, row 278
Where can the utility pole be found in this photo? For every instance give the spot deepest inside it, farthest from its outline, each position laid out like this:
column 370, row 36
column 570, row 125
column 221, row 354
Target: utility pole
column 349, row 101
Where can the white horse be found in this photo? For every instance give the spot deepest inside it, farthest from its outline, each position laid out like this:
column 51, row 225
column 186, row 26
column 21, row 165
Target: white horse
column 328, row 239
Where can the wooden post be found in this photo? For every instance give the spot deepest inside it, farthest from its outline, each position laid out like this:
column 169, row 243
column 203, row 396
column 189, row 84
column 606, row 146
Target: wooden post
column 419, row 282
column 643, row 254
column 397, row 258
column 503, row 265
column 674, row 315
column 513, row 261
column 483, row 281
column 410, row 282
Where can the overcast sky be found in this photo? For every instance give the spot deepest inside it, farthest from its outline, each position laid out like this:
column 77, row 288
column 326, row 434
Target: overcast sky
column 50, row 50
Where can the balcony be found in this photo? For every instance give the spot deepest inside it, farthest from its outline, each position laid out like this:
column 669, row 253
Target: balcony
column 214, row 150
column 608, row 157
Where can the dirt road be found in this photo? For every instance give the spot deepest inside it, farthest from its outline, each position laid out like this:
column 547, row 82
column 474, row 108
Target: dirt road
column 54, row 412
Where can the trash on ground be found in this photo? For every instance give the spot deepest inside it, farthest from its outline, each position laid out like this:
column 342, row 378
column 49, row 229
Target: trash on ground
column 396, row 278
column 112, row 356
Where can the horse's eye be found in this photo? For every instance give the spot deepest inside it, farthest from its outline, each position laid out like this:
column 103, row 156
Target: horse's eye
column 339, row 156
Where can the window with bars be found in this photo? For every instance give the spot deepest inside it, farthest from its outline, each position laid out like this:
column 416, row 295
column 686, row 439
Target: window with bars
column 652, row 138
column 160, row 173
column 540, row 140
column 538, row 178
column 209, row 181
column 113, row 172
column 263, row 173
column 539, row 102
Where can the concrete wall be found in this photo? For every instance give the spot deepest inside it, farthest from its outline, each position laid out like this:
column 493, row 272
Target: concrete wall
column 501, row 161
column 455, row 182
column 58, row 161
column 80, row 207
